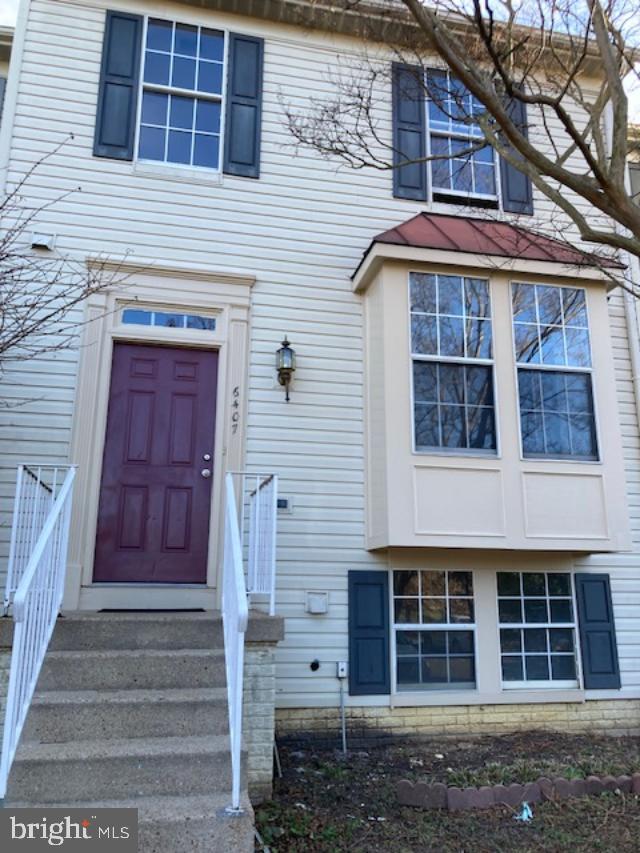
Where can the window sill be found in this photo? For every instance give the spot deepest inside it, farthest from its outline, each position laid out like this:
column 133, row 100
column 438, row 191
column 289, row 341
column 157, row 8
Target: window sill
column 177, row 173
column 474, row 697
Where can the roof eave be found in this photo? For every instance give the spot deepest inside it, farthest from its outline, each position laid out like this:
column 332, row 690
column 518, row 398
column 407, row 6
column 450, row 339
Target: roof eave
column 379, row 253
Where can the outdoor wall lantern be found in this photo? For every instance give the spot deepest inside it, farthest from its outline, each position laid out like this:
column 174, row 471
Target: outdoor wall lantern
column 285, row 365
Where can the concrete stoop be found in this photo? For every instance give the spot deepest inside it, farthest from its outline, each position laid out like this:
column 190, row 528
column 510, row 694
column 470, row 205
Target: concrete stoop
column 130, row 711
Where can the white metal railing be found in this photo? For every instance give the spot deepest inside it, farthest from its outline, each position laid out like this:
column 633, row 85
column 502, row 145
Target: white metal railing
column 36, row 604
column 235, row 616
column 249, row 540
column 37, row 487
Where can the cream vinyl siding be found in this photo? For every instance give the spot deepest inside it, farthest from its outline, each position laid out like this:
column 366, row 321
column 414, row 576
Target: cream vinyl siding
column 301, row 230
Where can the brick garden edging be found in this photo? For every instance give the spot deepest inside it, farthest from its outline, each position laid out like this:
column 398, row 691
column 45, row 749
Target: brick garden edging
column 439, row 796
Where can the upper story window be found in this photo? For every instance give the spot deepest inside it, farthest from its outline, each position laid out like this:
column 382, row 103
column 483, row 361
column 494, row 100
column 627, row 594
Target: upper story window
column 551, row 331
column 181, row 110
column 451, row 346
column 467, row 168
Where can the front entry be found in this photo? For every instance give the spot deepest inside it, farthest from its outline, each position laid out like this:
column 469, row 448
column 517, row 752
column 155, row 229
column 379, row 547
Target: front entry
column 155, row 494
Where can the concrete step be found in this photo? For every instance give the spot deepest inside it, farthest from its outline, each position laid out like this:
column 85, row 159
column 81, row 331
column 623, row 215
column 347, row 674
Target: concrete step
column 132, row 668
column 125, row 769
column 194, row 823
column 68, row 715
column 137, row 630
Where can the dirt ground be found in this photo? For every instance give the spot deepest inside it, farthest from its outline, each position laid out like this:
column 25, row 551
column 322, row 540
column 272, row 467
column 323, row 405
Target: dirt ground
column 325, row 802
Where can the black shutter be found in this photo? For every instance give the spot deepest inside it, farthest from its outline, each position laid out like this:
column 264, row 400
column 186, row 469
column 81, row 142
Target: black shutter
column 3, row 87
column 597, row 632
column 517, row 193
column 369, row 633
column 244, row 106
column 409, row 133
column 118, row 93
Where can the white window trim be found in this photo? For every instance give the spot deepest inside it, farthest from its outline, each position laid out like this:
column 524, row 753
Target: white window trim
column 181, row 170
column 462, row 360
column 555, row 368
column 548, row 684
column 402, row 691
column 456, row 195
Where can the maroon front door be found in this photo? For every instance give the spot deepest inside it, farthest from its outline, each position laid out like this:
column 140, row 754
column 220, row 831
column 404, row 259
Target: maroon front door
column 155, row 496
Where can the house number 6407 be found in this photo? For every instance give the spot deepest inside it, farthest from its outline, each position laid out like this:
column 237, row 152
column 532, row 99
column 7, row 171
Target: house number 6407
column 235, row 410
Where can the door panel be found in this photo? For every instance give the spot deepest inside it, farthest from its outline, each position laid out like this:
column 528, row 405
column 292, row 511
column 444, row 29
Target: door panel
column 153, row 517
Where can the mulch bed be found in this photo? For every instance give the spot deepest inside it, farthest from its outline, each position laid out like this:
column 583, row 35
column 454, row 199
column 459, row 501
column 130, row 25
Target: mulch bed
column 325, row 802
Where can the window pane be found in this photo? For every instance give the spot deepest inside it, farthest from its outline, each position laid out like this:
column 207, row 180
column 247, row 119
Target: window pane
column 207, row 324
column 154, row 108
column 524, row 303
column 578, row 354
column 406, row 611
column 476, row 297
column 184, row 73
column 152, row 142
column 537, row 667
column 408, row 670
column 424, row 335
column 559, row 583
column 440, row 168
column 140, row 318
column 181, row 114
column 510, row 640
column 579, row 398
column 575, row 308
column 527, row 343
column 556, row 431
column 532, row 434
column 533, row 583
column 206, row 151
column 583, row 436
column 156, row 68
column 552, row 345
column 453, row 426
column 452, row 383
column 425, row 382
column 460, row 642
column 186, row 40
column 512, row 669
column 434, row 670
column 450, row 295
column 405, row 583
column 407, row 642
column 479, row 386
column 554, row 394
column 423, row 293
column 159, row 35
column 434, row 642
column 563, row 668
column 529, row 390
column 172, row 321
column 210, row 77
column 510, row 610
column 535, row 640
column 434, row 610
column 451, row 336
column 460, row 583
column 211, row 44
column 549, row 303
column 462, row 175
column 433, row 583
column 427, row 428
column 462, row 669
column 508, row 583
column 460, row 610
column 478, row 334
column 561, row 611
column 535, row 611
column 208, row 116
column 179, row 150
column 485, row 179
column 561, row 639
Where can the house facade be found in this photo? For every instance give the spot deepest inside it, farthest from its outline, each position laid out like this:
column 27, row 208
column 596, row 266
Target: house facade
column 458, row 461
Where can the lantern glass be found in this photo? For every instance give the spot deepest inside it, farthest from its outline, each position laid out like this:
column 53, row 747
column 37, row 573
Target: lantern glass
column 286, row 358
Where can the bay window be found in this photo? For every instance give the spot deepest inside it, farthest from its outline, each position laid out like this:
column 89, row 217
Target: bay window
column 451, row 345
column 553, row 356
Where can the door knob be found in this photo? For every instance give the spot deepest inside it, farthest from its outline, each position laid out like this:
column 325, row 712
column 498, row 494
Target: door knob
column 206, row 473
column 206, row 457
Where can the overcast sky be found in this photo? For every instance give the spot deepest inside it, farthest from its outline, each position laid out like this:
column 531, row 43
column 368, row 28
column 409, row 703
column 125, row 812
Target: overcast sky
column 9, row 9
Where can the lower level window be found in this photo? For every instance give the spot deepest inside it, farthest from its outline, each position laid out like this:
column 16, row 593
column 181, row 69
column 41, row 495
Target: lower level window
column 434, row 621
column 537, row 629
